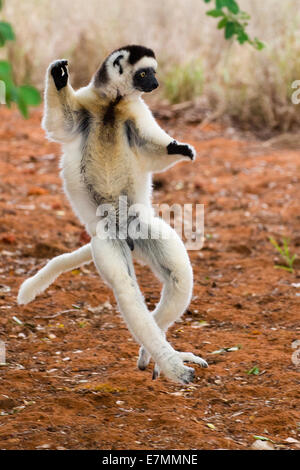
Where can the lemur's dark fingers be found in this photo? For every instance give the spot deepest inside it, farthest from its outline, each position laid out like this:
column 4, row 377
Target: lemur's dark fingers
column 59, row 66
column 174, row 148
column 59, row 73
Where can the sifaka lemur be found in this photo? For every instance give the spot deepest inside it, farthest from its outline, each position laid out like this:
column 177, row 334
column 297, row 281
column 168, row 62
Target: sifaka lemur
column 111, row 146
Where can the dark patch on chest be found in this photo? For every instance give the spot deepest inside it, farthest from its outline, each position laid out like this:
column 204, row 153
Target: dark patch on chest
column 84, row 121
column 83, row 125
column 109, row 116
column 133, row 137
column 95, row 196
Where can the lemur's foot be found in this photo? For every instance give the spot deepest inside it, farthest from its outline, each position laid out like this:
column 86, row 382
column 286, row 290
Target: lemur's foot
column 186, row 150
column 59, row 72
column 188, row 375
column 144, row 359
column 173, row 367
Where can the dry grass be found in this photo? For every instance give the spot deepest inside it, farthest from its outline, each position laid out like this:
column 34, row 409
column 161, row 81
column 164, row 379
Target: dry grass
column 249, row 86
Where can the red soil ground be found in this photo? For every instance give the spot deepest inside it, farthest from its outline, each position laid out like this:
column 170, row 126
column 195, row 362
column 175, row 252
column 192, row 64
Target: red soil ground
column 71, row 380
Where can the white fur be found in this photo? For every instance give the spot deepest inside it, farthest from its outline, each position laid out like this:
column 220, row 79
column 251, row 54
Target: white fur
column 144, row 63
column 58, row 265
column 114, row 264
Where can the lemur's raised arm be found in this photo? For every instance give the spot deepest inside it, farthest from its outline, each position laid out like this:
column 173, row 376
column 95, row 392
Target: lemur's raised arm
column 159, row 149
column 61, row 106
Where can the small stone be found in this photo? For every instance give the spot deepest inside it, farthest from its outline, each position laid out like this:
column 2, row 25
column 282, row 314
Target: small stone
column 44, row 446
column 262, row 445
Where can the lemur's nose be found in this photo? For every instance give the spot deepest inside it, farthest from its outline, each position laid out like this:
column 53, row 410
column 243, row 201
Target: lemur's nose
column 155, row 84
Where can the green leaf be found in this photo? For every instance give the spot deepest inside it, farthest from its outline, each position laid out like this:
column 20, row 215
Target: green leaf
column 5, row 70
column 6, row 31
column 229, row 29
column 211, row 426
column 234, row 26
column 259, row 44
column 215, row 13
column 10, row 89
column 8, row 97
column 222, row 23
column 232, row 6
column 275, row 244
column 285, row 253
column 224, row 350
column 30, row 95
column 243, row 37
column 220, row 4
column 253, row 371
column 286, row 268
column 262, row 438
column 244, row 16
column 22, row 106
column 21, row 102
column 286, row 247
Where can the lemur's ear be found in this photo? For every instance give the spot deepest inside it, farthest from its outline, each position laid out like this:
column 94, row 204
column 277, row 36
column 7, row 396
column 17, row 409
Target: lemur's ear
column 116, row 63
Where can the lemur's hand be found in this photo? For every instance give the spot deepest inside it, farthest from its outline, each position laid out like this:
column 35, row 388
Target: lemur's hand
column 59, row 73
column 174, row 148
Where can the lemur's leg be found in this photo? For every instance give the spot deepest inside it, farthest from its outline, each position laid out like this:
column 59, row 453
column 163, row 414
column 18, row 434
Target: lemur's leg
column 58, row 265
column 59, row 118
column 114, row 263
column 169, row 260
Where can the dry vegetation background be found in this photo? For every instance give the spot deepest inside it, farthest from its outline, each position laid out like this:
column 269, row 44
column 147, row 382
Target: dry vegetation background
column 237, row 81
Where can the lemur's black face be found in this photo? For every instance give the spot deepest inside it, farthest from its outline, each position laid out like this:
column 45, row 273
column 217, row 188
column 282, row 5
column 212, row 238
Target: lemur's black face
column 144, row 80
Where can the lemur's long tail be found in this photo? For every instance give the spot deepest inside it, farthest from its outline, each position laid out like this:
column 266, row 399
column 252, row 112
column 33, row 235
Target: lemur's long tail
column 42, row 279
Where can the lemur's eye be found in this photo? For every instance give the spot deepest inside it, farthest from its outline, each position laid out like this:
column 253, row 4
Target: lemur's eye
column 142, row 74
